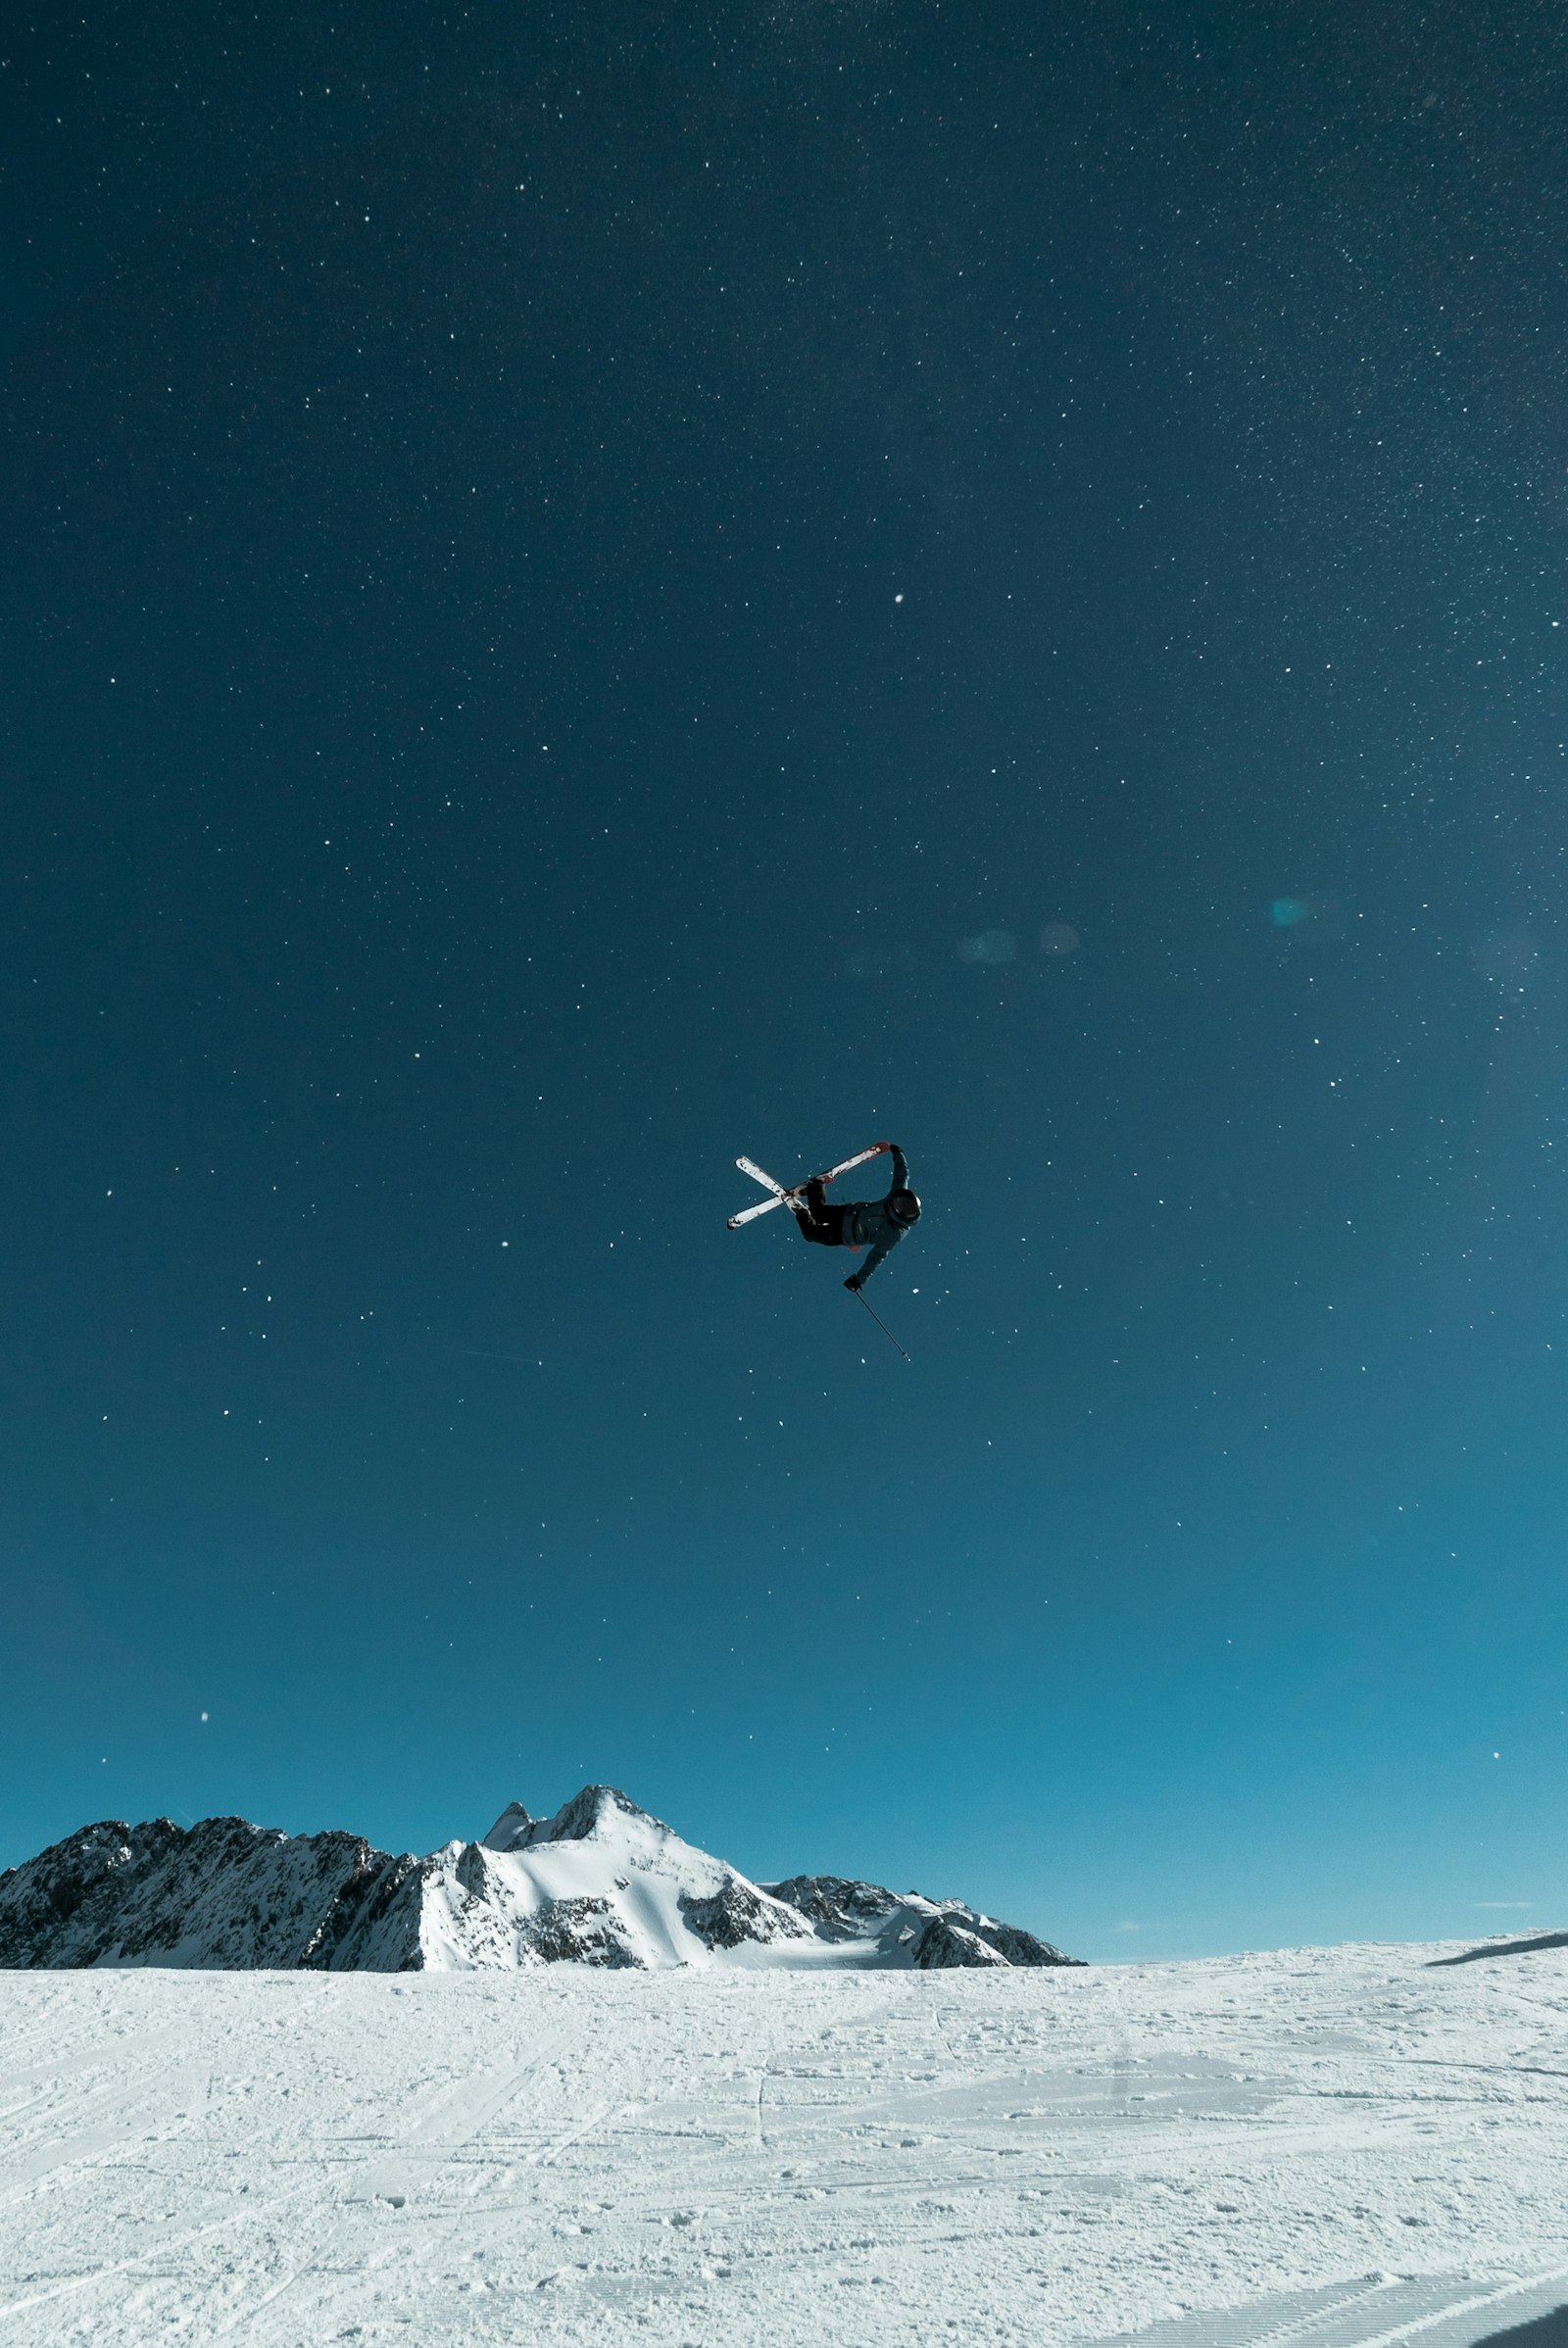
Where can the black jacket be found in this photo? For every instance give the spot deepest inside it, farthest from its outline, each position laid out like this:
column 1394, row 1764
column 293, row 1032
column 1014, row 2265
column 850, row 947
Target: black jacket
column 869, row 1224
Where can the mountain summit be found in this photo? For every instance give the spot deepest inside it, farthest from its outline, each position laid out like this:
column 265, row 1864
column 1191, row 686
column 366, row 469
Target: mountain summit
column 600, row 1882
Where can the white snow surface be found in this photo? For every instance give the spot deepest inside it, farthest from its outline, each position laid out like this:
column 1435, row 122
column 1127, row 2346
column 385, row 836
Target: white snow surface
column 1330, row 2148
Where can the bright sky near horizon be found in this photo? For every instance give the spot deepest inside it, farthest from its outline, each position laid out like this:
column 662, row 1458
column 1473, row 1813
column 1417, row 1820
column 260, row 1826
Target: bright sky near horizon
column 589, row 591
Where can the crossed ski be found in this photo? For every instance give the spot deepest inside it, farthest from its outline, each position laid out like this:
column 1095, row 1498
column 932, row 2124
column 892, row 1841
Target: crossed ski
column 793, row 1197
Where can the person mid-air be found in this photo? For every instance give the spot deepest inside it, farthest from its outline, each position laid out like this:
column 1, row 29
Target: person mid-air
column 875, row 1223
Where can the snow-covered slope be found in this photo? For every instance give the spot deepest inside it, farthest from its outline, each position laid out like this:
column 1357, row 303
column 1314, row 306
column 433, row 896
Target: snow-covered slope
column 601, row 1882
column 1319, row 2148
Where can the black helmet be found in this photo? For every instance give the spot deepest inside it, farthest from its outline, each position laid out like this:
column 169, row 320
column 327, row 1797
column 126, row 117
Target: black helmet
column 903, row 1207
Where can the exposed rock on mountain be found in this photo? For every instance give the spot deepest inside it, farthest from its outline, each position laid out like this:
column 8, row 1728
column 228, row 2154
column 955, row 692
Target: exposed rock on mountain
column 223, row 1893
column 600, row 1882
column 907, row 1929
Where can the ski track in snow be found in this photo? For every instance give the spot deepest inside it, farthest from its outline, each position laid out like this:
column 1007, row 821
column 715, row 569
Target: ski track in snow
column 1319, row 2148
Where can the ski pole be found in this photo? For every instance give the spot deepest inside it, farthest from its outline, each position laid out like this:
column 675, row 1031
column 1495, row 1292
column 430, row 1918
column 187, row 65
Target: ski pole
column 882, row 1325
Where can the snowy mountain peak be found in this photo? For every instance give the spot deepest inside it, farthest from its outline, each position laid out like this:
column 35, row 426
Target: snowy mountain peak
column 597, row 1814
column 511, row 1830
column 599, row 1882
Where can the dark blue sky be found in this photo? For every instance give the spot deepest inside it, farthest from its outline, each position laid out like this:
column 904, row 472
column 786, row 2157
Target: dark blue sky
column 590, row 589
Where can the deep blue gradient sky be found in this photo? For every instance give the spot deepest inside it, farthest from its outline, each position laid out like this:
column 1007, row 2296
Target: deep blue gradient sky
column 583, row 585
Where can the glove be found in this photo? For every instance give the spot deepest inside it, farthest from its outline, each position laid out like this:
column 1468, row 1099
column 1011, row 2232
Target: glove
column 853, row 1284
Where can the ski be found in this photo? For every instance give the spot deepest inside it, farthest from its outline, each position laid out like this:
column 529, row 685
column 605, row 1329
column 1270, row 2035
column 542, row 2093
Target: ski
column 832, row 1173
column 760, row 1174
column 783, row 1198
column 748, row 1215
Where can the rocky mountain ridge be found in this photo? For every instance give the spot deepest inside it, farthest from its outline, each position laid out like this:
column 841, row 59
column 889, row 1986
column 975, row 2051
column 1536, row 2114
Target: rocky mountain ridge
column 599, row 1882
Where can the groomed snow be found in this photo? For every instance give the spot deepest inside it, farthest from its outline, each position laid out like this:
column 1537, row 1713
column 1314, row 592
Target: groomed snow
column 1330, row 2148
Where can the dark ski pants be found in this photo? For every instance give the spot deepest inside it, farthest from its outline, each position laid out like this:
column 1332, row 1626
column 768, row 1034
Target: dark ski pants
column 817, row 1220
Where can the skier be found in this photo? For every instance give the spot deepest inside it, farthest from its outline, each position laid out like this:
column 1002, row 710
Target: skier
column 875, row 1223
